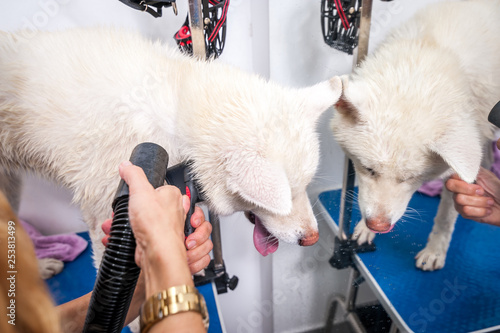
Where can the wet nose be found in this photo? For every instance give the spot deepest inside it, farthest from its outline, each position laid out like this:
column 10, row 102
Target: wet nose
column 309, row 239
column 379, row 224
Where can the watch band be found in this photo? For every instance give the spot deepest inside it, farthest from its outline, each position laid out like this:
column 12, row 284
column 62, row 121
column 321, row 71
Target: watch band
column 171, row 301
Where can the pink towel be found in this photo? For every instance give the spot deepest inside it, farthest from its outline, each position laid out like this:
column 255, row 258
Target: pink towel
column 434, row 187
column 65, row 247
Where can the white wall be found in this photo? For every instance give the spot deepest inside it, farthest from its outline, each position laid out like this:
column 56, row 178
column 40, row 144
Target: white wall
column 280, row 39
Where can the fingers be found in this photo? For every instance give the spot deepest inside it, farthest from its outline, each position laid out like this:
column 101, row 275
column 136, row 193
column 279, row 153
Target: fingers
column 198, row 243
column 470, row 199
column 137, row 181
column 186, row 203
column 473, row 201
column 473, row 207
column 199, row 236
column 473, row 213
column 134, row 177
column 199, row 258
column 199, row 252
column 460, row 187
column 199, row 265
column 106, row 227
column 198, row 217
column 105, row 240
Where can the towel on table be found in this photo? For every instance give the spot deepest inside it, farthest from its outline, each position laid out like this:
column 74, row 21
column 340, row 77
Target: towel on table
column 434, row 187
column 65, row 247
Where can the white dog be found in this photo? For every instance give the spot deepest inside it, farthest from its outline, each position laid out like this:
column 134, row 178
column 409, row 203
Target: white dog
column 417, row 109
column 74, row 104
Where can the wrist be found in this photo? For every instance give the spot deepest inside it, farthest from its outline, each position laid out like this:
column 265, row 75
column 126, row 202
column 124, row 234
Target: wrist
column 179, row 303
column 166, row 266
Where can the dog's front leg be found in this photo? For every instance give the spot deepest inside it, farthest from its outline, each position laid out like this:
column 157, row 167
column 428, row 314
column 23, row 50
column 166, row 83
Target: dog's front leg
column 362, row 234
column 433, row 256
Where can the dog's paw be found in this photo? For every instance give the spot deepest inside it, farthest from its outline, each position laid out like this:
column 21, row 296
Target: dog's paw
column 49, row 267
column 430, row 259
column 362, row 234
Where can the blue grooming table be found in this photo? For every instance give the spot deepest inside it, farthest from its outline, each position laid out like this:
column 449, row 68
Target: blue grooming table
column 78, row 278
column 464, row 296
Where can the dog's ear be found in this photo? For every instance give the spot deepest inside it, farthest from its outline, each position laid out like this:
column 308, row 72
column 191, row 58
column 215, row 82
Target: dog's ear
column 461, row 149
column 344, row 106
column 260, row 182
column 322, row 96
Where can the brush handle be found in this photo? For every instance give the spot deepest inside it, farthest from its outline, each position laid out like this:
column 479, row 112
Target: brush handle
column 494, row 116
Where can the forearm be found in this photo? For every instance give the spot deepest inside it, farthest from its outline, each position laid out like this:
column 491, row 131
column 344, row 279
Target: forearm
column 185, row 322
column 163, row 271
column 73, row 313
column 167, row 268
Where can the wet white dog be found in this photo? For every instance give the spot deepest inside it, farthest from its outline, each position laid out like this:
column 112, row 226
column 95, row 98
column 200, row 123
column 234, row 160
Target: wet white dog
column 417, row 109
column 74, row 104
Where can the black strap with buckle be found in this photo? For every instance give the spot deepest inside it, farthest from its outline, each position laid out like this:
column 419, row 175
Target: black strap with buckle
column 149, row 6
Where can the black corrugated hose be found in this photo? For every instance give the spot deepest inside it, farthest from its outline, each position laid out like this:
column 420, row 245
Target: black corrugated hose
column 118, row 273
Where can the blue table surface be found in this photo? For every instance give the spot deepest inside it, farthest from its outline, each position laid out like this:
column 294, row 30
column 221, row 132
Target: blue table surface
column 464, row 296
column 78, row 278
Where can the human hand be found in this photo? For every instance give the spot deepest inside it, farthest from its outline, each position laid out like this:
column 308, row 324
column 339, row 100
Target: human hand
column 157, row 219
column 156, row 215
column 479, row 202
column 198, row 243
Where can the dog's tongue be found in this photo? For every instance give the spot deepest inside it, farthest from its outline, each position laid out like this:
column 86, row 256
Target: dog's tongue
column 264, row 242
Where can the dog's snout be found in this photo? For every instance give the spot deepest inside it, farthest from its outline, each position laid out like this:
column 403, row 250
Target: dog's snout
column 379, row 224
column 309, row 239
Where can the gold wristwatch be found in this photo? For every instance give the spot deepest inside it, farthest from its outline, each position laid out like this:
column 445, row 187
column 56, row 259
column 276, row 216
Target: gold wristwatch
column 171, row 301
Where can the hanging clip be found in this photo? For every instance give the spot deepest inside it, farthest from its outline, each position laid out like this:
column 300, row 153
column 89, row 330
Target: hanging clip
column 152, row 7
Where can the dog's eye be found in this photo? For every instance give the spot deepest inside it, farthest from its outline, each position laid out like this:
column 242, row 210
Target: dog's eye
column 370, row 171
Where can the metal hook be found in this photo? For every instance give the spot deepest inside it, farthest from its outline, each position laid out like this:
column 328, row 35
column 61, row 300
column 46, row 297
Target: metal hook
column 144, row 4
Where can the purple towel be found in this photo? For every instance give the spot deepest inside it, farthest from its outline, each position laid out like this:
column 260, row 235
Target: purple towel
column 65, row 247
column 434, row 187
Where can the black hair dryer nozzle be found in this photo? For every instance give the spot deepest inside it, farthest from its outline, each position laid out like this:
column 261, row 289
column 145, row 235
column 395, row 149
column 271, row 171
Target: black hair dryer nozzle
column 494, row 116
column 118, row 273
